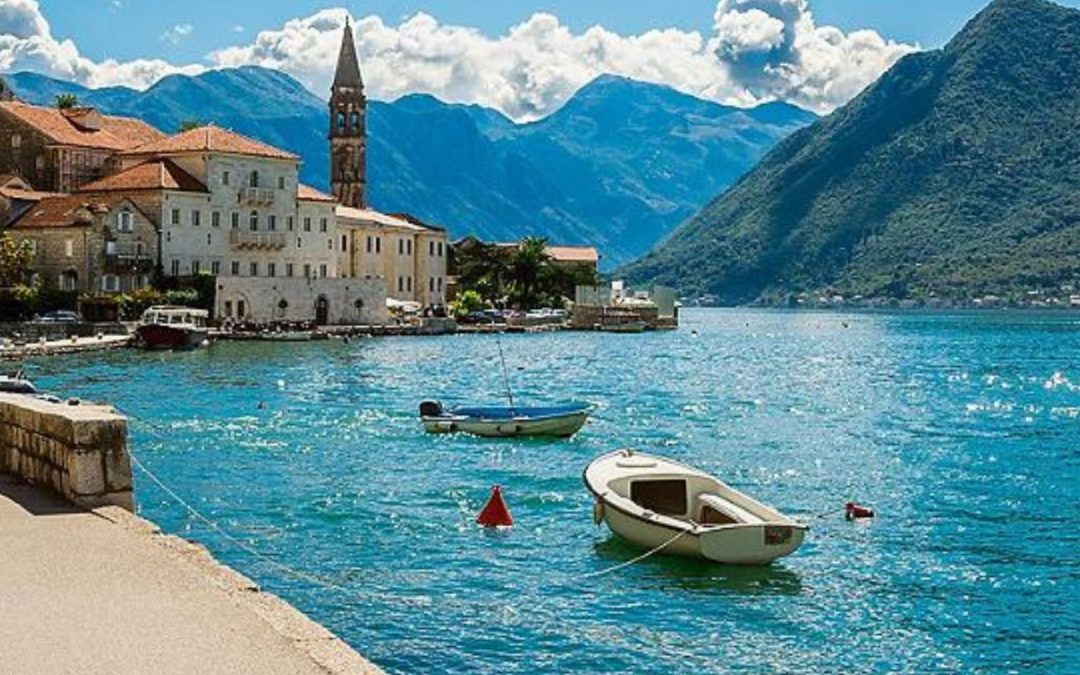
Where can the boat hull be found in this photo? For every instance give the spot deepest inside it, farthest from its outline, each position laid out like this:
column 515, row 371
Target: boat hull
column 556, row 426
column 157, row 336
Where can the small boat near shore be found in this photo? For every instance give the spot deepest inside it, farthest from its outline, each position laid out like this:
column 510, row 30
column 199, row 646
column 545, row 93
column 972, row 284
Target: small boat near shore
column 662, row 505
column 561, row 421
column 171, row 327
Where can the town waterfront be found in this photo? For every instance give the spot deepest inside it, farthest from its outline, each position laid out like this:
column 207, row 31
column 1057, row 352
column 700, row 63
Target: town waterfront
column 960, row 429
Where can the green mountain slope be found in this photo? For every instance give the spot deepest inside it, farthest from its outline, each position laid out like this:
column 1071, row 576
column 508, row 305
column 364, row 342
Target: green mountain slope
column 954, row 176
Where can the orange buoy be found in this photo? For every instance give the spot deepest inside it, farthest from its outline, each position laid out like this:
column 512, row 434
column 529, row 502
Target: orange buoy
column 495, row 512
column 853, row 511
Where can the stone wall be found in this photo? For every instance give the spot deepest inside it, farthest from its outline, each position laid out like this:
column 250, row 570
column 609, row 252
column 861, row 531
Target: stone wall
column 290, row 299
column 78, row 451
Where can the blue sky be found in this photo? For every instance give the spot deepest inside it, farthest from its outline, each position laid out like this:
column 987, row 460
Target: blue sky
column 524, row 58
column 134, row 29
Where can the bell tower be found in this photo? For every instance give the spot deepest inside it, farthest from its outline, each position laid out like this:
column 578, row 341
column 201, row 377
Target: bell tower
column 348, row 129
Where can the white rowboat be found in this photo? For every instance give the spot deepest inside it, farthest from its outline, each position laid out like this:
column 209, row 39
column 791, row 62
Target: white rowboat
column 657, row 503
column 505, row 421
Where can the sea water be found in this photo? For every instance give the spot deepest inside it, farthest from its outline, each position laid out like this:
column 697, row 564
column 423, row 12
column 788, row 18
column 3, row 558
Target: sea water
column 962, row 431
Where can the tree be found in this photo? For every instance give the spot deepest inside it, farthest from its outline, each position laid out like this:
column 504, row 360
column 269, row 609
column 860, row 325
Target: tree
column 188, row 125
column 482, row 268
column 66, row 101
column 15, row 260
column 527, row 267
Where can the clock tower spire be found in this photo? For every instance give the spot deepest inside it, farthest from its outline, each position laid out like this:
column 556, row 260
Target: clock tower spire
column 348, row 128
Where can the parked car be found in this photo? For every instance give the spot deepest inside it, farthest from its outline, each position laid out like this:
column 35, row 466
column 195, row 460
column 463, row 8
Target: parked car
column 57, row 316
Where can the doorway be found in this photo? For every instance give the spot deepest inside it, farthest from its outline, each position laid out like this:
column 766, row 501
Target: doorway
column 322, row 311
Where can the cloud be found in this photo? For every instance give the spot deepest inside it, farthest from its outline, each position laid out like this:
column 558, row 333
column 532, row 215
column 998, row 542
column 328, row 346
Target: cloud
column 177, row 33
column 757, row 51
column 27, row 43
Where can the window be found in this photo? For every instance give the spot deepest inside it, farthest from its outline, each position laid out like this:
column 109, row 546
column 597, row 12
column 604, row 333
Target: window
column 401, row 284
column 307, row 224
column 139, row 249
column 431, row 248
column 354, row 120
column 215, row 267
column 281, row 182
column 440, row 249
column 110, row 283
column 235, row 268
column 253, row 221
column 344, row 244
column 289, row 223
column 253, row 181
column 271, row 269
column 408, row 284
column 431, row 285
column 196, row 267
column 401, row 247
column 235, row 220
column 322, row 271
column 271, row 222
column 123, row 221
column 299, row 242
column 330, row 244
column 341, row 121
column 110, row 248
column 209, row 239
column 322, row 225
column 196, row 217
column 307, row 271
column 440, row 284
column 369, row 244
column 253, row 268
column 378, row 244
column 224, row 177
column 175, row 216
column 408, row 246
column 288, row 269
column 168, row 236
column 228, row 306
column 69, row 248
column 176, row 268
column 215, row 219
column 16, row 141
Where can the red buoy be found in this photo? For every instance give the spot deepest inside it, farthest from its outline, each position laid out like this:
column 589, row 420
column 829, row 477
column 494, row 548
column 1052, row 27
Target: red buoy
column 495, row 513
column 853, row 511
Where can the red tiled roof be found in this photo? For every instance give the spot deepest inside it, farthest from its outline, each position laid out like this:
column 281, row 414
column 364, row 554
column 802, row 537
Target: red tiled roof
column 585, row 254
column 65, row 211
column 155, row 175
column 210, row 139
column 309, row 194
column 116, row 133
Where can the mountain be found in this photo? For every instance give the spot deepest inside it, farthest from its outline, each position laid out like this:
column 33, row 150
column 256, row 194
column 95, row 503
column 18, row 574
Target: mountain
column 618, row 166
column 956, row 175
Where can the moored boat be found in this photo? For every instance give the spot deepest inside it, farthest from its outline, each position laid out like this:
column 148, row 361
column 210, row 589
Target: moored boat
column 169, row 327
column 561, row 421
column 660, row 504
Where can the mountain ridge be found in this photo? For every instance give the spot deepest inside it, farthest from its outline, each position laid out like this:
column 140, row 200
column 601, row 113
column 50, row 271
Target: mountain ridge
column 617, row 167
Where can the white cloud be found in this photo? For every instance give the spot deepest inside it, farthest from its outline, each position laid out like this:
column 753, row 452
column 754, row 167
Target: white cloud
column 177, row 33
column 758, row 50
column 27, row 43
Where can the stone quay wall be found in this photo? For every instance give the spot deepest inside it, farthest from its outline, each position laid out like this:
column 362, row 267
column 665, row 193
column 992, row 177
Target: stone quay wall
column 78, row 451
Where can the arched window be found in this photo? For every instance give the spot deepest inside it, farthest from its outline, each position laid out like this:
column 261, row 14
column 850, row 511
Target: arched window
column 254, row 179
column 254, row 221
column 354, row 122
column 341, row 121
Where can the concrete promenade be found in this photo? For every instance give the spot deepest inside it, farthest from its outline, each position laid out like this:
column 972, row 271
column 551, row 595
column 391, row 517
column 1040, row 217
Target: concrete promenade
column 104, row 592
column 65, row 346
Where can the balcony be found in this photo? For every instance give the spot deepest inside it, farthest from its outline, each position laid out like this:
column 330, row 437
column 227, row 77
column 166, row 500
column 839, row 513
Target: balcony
column 120, row 258
column 257, row 241
column 255, row 197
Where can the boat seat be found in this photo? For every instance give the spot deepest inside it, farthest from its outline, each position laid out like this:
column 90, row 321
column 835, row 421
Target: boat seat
column 715, row 510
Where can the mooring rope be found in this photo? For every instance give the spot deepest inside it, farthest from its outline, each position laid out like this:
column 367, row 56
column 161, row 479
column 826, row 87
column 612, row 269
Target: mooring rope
column 633, row 561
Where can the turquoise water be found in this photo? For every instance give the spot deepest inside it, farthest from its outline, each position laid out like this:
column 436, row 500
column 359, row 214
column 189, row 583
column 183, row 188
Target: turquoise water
column 963, row 431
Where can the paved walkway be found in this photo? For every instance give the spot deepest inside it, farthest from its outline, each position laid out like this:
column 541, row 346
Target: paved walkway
column 68, row 346
column 102, row 592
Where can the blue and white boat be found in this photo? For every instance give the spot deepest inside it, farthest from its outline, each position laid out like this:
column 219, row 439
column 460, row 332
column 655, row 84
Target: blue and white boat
column 560, row 421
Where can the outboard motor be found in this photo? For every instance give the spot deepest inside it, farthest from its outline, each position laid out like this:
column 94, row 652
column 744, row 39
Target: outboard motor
column 431, row 409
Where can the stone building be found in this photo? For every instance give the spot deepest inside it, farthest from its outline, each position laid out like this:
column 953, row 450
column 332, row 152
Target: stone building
column 407, row 255
column 60, row 150
column 89, row 244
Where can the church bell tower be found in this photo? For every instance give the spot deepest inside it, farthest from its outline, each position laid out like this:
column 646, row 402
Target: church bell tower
column 348, row 130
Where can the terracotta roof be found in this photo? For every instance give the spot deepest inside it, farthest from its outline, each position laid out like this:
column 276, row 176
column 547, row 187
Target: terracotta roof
column 309, row 194
column 65, row 211
column 374, row 217
column 585, row 254
column 211, row 139
column 116, row 133
column 155, row 175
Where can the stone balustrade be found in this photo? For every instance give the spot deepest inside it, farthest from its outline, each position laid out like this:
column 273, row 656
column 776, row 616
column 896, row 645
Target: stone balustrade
column 79, row 451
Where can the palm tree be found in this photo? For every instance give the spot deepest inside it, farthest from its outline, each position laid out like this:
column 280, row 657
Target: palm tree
column 528, row 264
column 480, row 267
column 65, row 101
